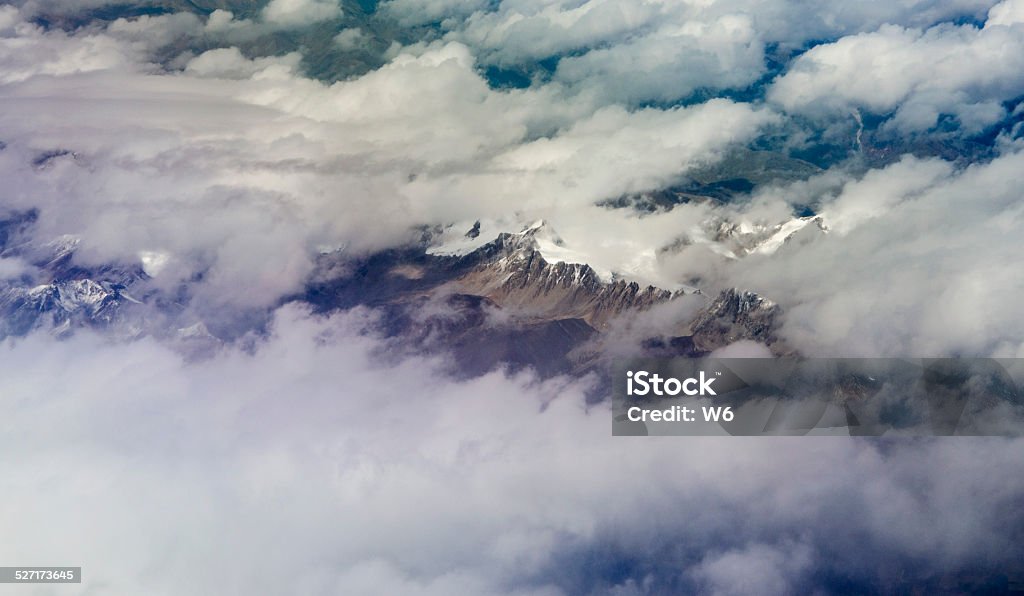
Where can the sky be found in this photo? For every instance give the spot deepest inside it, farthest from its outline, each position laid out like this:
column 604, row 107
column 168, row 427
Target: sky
column 205, row 147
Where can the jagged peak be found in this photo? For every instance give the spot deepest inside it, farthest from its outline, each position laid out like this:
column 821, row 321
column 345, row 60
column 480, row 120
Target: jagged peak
column 743, row 300
column 533, row 228
column 734, row 315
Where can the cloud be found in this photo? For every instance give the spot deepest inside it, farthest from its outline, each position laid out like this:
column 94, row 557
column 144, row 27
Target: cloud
column 616, row 151
column 879, row 192
column 411, row 13
column 350, row 39
column 152, row 33
column 241, row 170
column 126, row 45
column 13, row 268
column 534, row 30
column 229, row 63
column 28, row 50
column 1008, row 12
column 9, row 17
column 672, row 63
column 914, row 264
column 354, row 472
column 880, row 72
column 212, row 170
column 299, row 13
column 662, row 51
column 32, row 8
column 755, row 569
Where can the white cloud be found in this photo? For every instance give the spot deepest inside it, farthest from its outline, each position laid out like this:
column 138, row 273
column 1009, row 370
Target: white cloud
column 299, row 13
column 223, row 24
column 243, row 180
column 12, row 268
column 410, row 13
column 155, row 32
column 755, row 569
column 350, row 39
column 229, row 63
column 969, row 72
column 916, row 264
column 877, row 194
column 617, row 151
column 663, row 51
column 9, row 17
column 1008, row 12
column 355, row 475
column 240, row 168
column 27, row 50
column 671, row 63
column 534, row 30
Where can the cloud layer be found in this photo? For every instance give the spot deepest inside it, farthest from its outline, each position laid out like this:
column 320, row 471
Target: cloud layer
column 239, row 169
column 314, row 460
column 971, row 72
column 242, row 169
column 353, row 473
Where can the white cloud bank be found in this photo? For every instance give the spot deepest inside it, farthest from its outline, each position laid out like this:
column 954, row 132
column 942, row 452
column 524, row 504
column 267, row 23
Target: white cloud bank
column 242, row 170
column 313, row 465
column 636, row 52
column 299, row 13
column 918, row 261
column 919, row 74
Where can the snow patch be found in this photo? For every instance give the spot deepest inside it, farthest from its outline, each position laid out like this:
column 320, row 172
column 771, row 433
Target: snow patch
column 779, row 238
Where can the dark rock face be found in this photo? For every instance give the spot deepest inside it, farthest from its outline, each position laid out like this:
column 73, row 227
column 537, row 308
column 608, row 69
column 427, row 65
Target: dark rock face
column 13, row 226
column 513, row 273
column 670, row 347
column 735, row 316
column 510, row 271
column 503, row 303
column 479, row 342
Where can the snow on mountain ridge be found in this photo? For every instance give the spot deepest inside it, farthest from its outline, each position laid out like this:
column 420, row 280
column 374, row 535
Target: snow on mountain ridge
column 729, row 238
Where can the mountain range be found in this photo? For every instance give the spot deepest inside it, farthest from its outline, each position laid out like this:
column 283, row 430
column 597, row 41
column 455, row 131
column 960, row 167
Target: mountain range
column 500, row 304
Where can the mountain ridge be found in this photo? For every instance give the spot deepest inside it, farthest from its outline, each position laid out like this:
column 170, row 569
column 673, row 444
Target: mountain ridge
column 501, row 304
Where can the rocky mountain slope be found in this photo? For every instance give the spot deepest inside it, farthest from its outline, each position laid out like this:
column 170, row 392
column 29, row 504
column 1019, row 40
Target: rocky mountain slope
column 513, row 272
column 502, row 303
column 733, row 316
